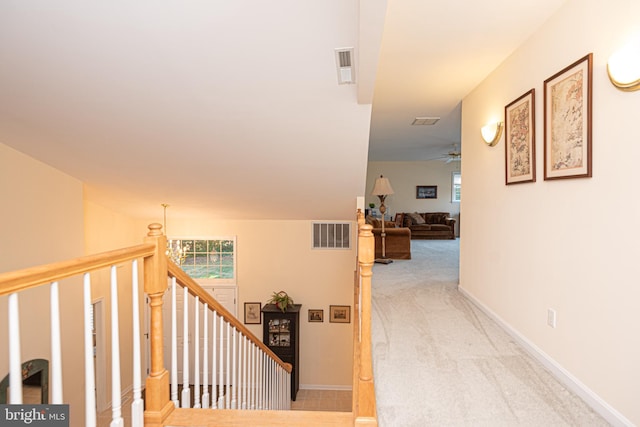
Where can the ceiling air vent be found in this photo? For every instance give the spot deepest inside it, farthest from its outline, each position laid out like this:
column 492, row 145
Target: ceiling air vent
column 425, row 121
column 346, row 68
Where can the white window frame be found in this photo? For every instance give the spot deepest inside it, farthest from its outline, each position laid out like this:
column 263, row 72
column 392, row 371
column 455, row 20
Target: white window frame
column 455, row 199
column 209, row 281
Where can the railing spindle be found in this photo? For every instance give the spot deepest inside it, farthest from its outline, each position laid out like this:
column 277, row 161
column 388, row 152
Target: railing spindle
column 186, row 391
column 15, row 366
column 137, row 406
column 214, row 366
column 116, row 401
column 234, row 371
column 227, row 394
column 245, row 371
column 205, row 357
column 196, row 352
column 221, row 376
column 56, row 351
column 89, row 370
column 174, row 345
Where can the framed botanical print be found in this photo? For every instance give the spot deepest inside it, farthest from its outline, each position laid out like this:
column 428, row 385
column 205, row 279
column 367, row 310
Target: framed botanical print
column 252, row 313
column 520, row 141
column 567, row 121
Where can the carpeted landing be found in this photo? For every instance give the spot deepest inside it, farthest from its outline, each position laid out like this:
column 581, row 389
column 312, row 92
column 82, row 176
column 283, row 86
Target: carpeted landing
column 440, row 361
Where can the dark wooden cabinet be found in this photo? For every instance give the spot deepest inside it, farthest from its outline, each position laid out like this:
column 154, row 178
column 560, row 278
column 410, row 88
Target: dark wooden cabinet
column 281, row 333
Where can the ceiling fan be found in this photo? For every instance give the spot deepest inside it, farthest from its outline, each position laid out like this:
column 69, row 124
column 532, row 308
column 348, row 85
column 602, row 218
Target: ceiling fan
column 452, row 156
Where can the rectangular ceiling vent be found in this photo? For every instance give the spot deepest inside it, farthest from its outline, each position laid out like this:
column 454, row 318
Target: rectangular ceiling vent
column 425, row 121
column 345, row 65
column 331, row 235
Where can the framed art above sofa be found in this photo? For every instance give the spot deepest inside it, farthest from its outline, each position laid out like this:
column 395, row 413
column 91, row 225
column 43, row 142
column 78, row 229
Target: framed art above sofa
column 426, row 192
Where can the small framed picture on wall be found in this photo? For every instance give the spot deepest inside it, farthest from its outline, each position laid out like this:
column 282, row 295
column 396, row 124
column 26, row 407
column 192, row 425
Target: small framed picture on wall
column 340, row 314
column 252, row 313
column 426, row 192
column 316, row 315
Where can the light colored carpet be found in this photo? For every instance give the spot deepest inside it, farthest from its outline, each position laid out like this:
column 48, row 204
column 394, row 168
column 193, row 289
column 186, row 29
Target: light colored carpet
column 440, row 361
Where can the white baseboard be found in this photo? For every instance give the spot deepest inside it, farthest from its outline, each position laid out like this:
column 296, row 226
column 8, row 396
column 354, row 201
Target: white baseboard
column 612, row 416
column 324, row 387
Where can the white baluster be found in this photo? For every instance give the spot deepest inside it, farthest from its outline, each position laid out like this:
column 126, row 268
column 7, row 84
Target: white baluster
column 221, row 377
column 214, row 365
column 186, row 391
column 89, row 370
column 269, row 385
column 137, row 406
column 196, row 371
column 174, row 345
column 278, row 386
column 56, row 353
column 254, row 376
column 245, row 371
column 288, row 388
column 116, row 410
column 260, row 403
column 234, row 372
column 15, row 366
column 205, row 358
column 227, row 398
column 250, row 376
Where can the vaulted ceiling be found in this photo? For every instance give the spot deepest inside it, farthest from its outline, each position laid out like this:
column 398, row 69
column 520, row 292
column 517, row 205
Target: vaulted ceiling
column 232, row 109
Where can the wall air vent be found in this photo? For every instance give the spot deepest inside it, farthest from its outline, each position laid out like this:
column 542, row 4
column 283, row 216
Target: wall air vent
column 331, row 235
column 345, row 65
column 425, row 121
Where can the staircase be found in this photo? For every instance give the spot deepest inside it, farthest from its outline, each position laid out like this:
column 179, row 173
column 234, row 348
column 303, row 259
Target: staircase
column 249, row 384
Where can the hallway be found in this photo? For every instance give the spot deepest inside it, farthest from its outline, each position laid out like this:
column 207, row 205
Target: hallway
column 440, row 361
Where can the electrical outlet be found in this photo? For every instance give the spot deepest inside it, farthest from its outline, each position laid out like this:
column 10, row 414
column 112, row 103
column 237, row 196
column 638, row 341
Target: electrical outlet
column 551, row 317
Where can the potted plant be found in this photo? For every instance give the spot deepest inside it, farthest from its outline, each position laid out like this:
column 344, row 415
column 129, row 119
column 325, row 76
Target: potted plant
column 281, row 300
column 372, row 205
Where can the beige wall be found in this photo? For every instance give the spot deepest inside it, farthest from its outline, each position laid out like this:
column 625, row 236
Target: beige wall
column 42, row 222
column 106, row 230
column 277, row 255
column 405, row 176
column 570, row 244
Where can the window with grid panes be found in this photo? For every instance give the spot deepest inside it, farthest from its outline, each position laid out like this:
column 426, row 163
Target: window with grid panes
column 456, row 186
column 207, row 260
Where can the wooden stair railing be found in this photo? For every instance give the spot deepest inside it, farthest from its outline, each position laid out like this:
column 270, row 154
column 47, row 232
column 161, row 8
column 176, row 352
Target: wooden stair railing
column 12, row 284
column 160, row 410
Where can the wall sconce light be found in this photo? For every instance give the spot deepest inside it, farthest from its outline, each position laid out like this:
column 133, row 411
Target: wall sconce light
column 491, row 133
column 623, row 66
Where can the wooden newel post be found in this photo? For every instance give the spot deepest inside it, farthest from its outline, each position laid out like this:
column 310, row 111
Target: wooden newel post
column 365, row 259
column 157, row 403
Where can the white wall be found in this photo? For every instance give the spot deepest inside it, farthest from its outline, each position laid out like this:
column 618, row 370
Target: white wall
column 569, row 244
column 405, row 176
column 42, row 222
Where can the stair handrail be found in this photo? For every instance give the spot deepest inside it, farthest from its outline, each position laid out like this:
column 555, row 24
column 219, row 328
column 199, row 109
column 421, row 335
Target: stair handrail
column 20, row 280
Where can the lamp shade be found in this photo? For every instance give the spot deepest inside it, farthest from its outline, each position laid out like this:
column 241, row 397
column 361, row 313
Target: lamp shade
column 382, row 187
column 491, row 133
column 623, row 66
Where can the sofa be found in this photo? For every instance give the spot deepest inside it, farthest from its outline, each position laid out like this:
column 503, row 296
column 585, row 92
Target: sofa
column 397, row 239
column 428, row 225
